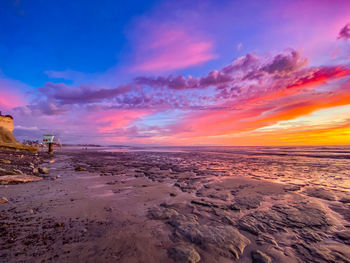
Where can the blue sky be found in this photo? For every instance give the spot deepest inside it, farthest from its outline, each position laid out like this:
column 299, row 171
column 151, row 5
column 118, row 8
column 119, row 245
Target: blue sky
column 86, row 36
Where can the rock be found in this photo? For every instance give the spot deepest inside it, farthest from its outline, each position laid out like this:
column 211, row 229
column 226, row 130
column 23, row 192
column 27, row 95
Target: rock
column 344, row 235
column 3, row 200
column 264, row 239
column 345, row 200
column 17, row 171
column 16, row 179
column 43, row 170
column 35, row 170
column 222, row 239
column 234, row 207
column 303, row 215
column 59, row 224
column 248, row 202
column 212, row 204
column 284, row 216
column 320, row 193
column 161, row 213
column 342, row 209
column 260, row 257
column 292, row 188
column 184, row 253
column 312, row 236
column 10, row 173
column 329, row 251
column 203, row 203
column 5, row 161
column 261, row 222
column 6, row 172
column 79, row 169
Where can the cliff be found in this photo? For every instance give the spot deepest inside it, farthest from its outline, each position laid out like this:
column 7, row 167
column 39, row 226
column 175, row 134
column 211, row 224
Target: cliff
column 6, row 129
column 7, row 139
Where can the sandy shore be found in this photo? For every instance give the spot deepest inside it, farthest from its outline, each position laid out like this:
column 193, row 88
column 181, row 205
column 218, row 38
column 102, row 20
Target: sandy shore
column 170, row 207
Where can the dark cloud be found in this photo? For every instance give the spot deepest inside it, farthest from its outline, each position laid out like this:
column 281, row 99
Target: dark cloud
column 215, row 78
column 172, row 82
column 248, row 62
column 65, row 94
column 286, row 63
column 249, row 67
column 345, row 32
column 48, row 107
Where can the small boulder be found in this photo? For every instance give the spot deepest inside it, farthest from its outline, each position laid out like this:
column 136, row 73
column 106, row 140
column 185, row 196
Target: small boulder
column 184, row 253
column 292, row 188
column 17, row 171
column 79, row 169
column 260, row 257
column 43, row 170
column 3, row 200
column 224, row 240
column 17, row 179
column 161, row 213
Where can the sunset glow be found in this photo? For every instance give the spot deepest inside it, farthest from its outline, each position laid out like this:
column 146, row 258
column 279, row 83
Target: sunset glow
column 179, row 73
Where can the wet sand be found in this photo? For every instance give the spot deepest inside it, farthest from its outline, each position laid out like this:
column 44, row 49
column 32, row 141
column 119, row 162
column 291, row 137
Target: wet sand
column 192, row 205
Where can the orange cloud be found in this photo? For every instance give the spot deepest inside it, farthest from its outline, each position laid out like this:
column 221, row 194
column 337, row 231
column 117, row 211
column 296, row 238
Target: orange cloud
column 220, row 125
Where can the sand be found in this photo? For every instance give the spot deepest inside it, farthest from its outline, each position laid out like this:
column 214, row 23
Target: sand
column 171, row 207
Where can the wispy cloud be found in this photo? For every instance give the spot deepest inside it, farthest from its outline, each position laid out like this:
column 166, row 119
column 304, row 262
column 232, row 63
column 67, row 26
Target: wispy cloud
column 164, row 48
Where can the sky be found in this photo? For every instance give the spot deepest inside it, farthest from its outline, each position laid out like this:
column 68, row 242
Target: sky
column 177, row 72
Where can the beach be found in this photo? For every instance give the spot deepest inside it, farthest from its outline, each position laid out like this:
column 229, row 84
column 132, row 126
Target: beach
column 179, row 204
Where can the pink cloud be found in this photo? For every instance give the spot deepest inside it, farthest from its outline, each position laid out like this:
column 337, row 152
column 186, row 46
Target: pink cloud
column 114, row 119
column 312, row 26
column 9, row 100
column 10, row 97
column 168, row 49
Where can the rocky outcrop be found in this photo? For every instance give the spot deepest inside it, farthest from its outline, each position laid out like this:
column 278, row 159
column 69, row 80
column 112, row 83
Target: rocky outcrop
column 6, row 129
column 7, row 139
column 18, row 179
